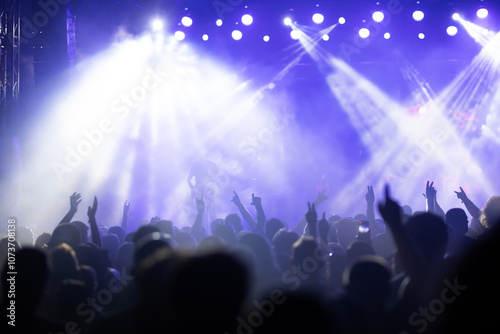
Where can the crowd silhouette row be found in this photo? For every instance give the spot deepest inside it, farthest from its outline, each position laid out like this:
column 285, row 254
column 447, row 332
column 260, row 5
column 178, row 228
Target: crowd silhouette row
column 429, row 271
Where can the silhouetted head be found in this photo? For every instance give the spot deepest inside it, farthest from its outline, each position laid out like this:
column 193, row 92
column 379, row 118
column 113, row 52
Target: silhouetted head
column 185, row 240
column 368, row 278
column 119, row 232
column 125, row 257
column 63, row 263
column 83, row 229
column 215, row 223
column 272, row 226
column 334, row 219
column 407, row 210
column 65, row 233
column 347, row 230
column 430, row 234
column 145, row 231
column 211, row 243
column 283, row 241
column 457, row 219
column 490, row 214
column 212, row 287
column 226, row 233
column 43, row 240
column 266, row 265
column 358, row 249
column 307, row 255
column 24, row 236
column 165, row 226
column 234, row 220
column 111, row 243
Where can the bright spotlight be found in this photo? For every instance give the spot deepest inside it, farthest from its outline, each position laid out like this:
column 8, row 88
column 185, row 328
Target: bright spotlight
column 287, row 21
column 421, row 36
column 326, row 37
column 318, row 18
column 364, row 33
column 237, row 35
column 341, row 20
column 451, row 30
column 204, row 37
column 295, row 34
column 218, row 22
column 482, row 13
column 378, row 16
column 387, row 35
column 247, row 19
column 266, row 38
column 456, row 16
column 418, row 15
column 179, row 35
column 186, row 21
column 157, row 25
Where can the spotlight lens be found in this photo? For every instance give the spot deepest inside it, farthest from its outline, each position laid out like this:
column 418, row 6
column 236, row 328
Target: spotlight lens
column 378, row 16
column 451, row 30
column 247, row 19
column 326, row 37
column 204, row 37
column 364, row 33
column 387, row 35
column 418, row 15
column 295, row 34
column 318, row 18
column 186, row 21
column 266, row 38
column 482, row 13
column 157, row 25
column 179, row 35
column 455, row 16
column 421, row 36
column 218, row 22
column 341, row 20
column 287, row 21
column 237, row 35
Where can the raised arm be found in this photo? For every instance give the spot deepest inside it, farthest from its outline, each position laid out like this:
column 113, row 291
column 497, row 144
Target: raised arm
column 243, row 211
column 94, row 230
column 74, row 200
column 197, row 228
column 412, row 259
column 301, row 227
column 430, row 197
column 261, row 217
column 126, row 206
column 473, row 210
column 312, row 220
column 370, row 206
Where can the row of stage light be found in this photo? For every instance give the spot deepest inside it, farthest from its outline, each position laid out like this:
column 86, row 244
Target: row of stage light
column 317, row 18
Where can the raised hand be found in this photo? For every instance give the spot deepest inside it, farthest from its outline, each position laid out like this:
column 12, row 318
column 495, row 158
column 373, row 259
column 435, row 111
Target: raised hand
column 200, row 205
column 92, row 210
column 320, row 198
column 236, row 198
column 370, row 196
column 126, row 206
column 390, row 210
column 74, row 200
column 154, row 219
column 311, row 215
column 256, row 201
column 461, row 195
column 323, row 228
column 430, row 191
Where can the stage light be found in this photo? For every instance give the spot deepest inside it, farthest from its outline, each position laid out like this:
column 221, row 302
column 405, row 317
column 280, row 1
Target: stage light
column 421, row 36
column 482, row 13
column 287, row 21
column 326, row 37
column 179, row 35
column 186, row 21
column 451, row 30
column 378, row 16
column 418, row 15
column 247, row 19
column 341, row 20
column 204, row 37
column 364, row 33
column 387, row 35
column 237, row 35
column 157, row 25
column 266, row 38
column 456, row 16
column 218, row 22
column 318, row 18
column 295, row 34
